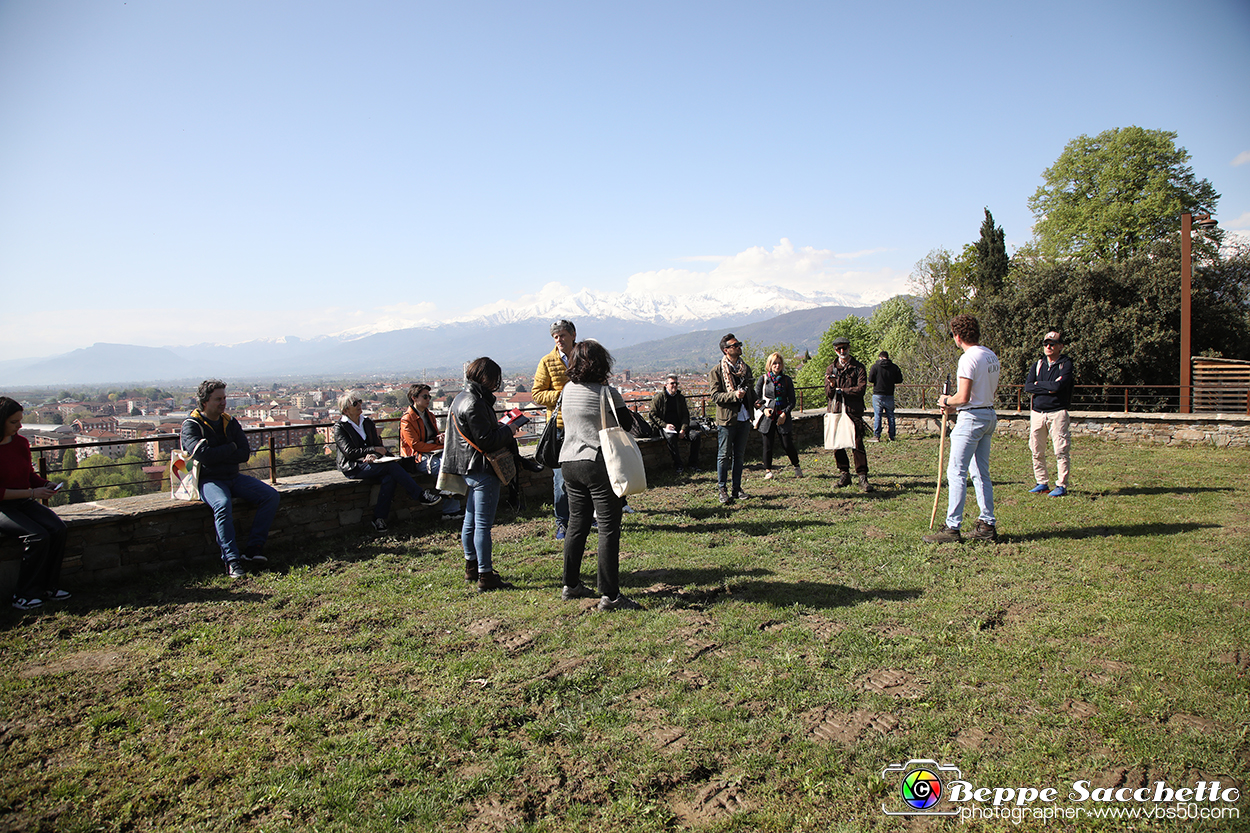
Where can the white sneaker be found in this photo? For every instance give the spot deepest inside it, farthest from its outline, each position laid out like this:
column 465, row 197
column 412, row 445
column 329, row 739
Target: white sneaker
column 627, row 509
column 768, row 475
column 798, row 472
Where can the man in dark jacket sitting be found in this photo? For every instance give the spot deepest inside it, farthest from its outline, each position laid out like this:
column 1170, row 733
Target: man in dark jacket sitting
column 218, row 444
column 671, row 416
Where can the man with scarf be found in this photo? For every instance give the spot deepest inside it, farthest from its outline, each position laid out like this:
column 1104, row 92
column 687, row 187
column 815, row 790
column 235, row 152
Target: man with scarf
column 218, row 444
column 845, row 383
column 733, row 391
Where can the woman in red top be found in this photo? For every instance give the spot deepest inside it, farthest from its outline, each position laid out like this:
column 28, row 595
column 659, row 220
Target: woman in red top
column 21, row 514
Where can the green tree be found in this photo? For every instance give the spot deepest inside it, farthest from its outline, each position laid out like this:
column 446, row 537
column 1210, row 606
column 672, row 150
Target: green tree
column 1122, row 319
column 992, row 263
column 1111, row 196
column 862, row 338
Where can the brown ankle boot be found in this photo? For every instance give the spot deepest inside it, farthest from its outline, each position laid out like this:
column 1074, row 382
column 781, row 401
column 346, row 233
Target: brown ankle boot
column 491, row 581
column 470, row 570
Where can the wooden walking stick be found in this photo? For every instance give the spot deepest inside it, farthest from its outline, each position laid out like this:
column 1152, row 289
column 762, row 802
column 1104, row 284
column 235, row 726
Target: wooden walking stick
column 941, row 450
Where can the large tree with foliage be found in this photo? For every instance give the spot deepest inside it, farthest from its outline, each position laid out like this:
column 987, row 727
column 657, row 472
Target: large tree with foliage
column 990, row 268
column 1110, row 197
column 1122, row 319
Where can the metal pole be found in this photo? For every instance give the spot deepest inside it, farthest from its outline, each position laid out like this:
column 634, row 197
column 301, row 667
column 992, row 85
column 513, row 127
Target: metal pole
column 1186, row 286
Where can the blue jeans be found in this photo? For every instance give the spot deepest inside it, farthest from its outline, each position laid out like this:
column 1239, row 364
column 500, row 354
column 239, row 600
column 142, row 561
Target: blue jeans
column 731, row 447
column 879, row 404
column 970, row 444
column 389, row 475
column 218, row 495
column 430, row 464
column 559, row 498
column 479, row 516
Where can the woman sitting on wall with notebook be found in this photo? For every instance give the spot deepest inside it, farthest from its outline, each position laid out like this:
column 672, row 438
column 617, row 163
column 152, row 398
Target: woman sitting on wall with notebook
column 362, row 456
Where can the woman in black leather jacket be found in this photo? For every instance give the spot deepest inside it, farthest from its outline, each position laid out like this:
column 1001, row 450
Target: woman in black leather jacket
column 359, row 449
column 473, row 430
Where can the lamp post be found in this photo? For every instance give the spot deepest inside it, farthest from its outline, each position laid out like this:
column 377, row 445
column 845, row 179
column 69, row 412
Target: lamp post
column 1203, row 221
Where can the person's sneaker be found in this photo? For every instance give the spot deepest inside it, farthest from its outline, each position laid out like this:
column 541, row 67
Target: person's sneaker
column 983, row 532
column 679, row 471
column 1039, row 488
column 844, row 479
column 491, row 581
column 864, row 485
column 798, row 471
column 1059, row 491
column 430, row 497
column 621, row 602
column 26, row 604
column 948, row 535
column 873, row 439
column 452, row 516
column 768, row 475
column 560, row 532
column 470, row 570
column 379, row 525
column 235, row 569
column 55, row 595
column 740, row 495
column 626, row 509
column 723, row 496
column 252, row 557
column 580, row 591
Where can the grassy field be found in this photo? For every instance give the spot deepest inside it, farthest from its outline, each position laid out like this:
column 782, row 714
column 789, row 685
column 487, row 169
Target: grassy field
column 792, row 647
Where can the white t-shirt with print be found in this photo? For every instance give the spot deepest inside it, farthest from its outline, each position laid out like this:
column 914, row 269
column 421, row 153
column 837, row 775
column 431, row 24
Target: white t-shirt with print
column 981, row 366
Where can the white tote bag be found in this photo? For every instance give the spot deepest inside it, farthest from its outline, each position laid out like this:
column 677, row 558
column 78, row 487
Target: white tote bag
column 621, row 453
column 184, row 476
column 839, row 429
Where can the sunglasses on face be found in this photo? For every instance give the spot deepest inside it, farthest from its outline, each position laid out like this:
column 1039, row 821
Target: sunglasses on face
column 356, row 403
column 1049, row 343
column 733, row 344
column 841, row 347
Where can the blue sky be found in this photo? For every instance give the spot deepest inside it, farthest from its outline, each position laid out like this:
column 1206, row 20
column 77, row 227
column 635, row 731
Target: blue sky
column 176, row 172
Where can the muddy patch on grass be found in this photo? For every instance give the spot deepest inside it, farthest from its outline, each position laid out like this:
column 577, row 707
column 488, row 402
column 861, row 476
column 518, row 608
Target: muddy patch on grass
column 892, row 630
column 84, row 662
column 712, row 803
column 1239, row 659
column 495, row 815
column 824, row 726
column 972, row 737
column 893, row 682
column 822, row 628
column 1192, row 722
column 1079, row 709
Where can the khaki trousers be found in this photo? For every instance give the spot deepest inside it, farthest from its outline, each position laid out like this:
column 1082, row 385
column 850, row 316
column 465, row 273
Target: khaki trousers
column 1056, row 424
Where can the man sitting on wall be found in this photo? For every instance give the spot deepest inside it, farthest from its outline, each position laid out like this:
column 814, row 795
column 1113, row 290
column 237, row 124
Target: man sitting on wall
column 218, row 444
column 671, row 416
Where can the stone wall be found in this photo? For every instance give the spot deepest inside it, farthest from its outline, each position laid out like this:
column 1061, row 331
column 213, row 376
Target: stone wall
column 123, row 538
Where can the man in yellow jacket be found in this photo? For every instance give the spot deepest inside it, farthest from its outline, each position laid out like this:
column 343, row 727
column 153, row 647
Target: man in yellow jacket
column 549, row 379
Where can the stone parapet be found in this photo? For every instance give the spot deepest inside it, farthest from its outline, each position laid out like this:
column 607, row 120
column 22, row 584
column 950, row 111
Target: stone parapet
column 127, row 537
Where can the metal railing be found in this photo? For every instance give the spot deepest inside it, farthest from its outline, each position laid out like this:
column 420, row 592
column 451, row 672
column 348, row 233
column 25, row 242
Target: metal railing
column 267, row 443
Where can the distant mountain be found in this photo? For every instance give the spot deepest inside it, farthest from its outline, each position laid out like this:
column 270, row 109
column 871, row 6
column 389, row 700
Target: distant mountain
column 801, row 330
column 658, row 327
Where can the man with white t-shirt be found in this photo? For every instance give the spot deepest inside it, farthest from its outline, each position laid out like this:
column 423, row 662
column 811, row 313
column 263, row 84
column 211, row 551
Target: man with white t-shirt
column 970, row 439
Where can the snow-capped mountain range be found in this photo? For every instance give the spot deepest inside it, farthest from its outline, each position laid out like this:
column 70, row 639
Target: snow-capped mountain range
column 510, row 332
column 750, row 301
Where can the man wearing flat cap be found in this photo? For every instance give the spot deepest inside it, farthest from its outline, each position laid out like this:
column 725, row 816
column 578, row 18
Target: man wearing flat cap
column 845, row 383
